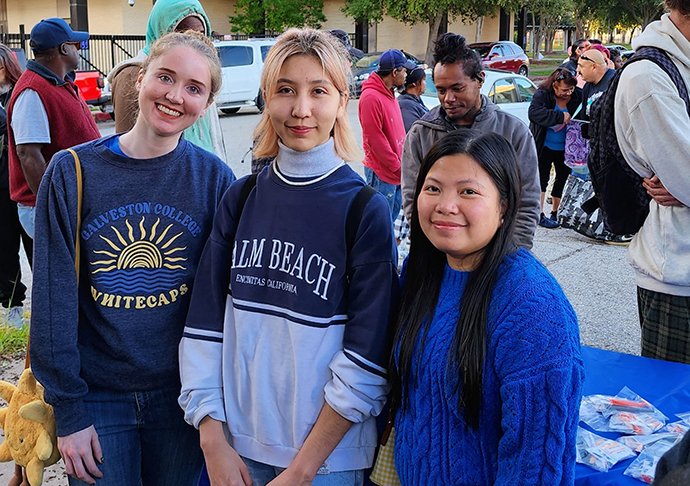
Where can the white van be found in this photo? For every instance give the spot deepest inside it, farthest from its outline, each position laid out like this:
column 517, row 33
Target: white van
column 242, row 63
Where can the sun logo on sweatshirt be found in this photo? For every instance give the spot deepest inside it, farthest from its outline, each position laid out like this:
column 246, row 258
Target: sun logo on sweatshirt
column 139, row 259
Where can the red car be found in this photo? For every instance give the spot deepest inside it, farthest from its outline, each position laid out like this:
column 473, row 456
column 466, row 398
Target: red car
column 503, row 55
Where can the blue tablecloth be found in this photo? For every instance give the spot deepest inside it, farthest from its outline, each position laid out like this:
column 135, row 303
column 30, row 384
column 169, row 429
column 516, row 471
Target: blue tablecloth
column 664, row 384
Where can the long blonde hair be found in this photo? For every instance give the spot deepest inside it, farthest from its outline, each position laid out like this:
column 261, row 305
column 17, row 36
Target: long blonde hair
column 335, row 62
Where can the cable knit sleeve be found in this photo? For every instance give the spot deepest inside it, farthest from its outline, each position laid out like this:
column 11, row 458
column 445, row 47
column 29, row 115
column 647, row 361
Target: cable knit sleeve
column 540, row 372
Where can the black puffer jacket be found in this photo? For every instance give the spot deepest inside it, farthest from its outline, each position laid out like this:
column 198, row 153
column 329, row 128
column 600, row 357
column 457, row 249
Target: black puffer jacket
column 543, row 115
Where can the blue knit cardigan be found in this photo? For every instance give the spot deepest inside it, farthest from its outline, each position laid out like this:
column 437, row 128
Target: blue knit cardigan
column 532, row 385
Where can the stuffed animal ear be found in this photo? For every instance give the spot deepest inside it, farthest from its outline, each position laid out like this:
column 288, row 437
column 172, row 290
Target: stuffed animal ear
column 44, row 446
column 5, row 455
column 34, row 472
column 34, row 411
column 7, row 390
column 3, row 414
column 27, row 382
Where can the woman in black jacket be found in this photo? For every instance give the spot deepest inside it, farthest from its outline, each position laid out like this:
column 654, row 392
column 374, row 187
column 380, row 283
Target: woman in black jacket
column 554, row 103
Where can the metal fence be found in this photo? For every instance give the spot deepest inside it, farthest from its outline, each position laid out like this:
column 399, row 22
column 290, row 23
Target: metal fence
column 102, row 54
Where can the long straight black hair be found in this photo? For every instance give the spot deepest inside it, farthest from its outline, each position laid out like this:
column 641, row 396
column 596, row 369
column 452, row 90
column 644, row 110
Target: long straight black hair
column 425, row 268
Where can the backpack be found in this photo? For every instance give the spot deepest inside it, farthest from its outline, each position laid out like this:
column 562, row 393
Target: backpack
column 618, row 188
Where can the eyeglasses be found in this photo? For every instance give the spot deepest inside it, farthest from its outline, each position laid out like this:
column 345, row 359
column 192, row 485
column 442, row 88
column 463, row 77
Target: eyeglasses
column 77, row 45
column 587, row 59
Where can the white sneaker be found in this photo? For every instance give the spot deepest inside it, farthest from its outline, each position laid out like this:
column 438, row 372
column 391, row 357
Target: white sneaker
column 15, row 317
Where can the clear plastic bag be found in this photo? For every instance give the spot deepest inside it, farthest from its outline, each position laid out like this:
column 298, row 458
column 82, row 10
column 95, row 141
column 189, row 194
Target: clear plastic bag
column 678, row 428
column 598, row 452
column 685, row 417
column 644, row 466
column 629, row 413
column 638, row 442
column 591, row 409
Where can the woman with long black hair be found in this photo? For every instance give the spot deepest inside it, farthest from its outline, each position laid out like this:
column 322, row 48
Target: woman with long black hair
column 487, row 368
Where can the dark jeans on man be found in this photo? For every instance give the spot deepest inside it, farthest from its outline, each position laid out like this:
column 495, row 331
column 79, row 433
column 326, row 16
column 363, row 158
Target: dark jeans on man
column 144, row 439
column 12, row 290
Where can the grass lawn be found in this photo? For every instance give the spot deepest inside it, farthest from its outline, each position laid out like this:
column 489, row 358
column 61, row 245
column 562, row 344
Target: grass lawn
column 544, row 67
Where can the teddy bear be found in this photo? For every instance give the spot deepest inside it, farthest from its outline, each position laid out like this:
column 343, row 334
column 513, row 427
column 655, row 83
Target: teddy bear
column 29, row 425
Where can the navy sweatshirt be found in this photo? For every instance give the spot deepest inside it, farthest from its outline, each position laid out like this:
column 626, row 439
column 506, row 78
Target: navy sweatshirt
column 284, row 319
column 144, row 226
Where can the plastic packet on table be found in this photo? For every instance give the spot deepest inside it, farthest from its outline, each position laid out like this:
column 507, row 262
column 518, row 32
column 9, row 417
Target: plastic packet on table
column 591, row 409
column 636, row 423
column 638, row 442
column 644, row 466
column 685, row 417
column 677, row 428
column 629, row 413
column 598, row 452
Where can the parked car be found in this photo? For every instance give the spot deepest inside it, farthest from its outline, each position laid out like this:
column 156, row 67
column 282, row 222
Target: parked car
column 616, row 47
column 511, row 92
column 241, row 64
column 91, row 86
column 625, row 55
column 363, row 68
column 503, row 55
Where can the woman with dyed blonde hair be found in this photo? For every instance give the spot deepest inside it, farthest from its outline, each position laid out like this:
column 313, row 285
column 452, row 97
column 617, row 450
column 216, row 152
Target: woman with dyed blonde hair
column 283, row 360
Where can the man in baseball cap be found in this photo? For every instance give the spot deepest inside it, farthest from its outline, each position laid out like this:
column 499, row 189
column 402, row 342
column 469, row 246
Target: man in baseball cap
column 393, row 60
column 383, row 131
column 50, row 33
column 45, row 113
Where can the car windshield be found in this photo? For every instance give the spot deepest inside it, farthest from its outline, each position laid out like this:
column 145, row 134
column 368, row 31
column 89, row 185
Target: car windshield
column 483, row 51
column 368, row 61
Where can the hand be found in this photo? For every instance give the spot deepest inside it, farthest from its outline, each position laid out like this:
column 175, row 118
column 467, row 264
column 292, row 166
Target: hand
column 225, row 467
column 566, row 118
column 290, row 478
column 659, row 193
column 80, row 451
column 19, row 478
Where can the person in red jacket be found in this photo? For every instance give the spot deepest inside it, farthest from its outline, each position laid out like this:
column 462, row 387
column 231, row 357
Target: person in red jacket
column 383, row 130
column 45, row 114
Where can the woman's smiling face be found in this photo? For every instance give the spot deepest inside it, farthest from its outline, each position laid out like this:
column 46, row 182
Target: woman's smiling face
column 174, row 91
column 459, row 209
column 304, row 104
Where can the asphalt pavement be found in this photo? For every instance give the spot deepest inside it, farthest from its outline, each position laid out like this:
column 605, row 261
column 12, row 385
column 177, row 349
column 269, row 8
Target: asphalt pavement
column 595, row 276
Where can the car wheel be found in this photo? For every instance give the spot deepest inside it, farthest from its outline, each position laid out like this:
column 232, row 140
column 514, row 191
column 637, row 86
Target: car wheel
column 523, row 71
column 229, row 111
column 260, row 102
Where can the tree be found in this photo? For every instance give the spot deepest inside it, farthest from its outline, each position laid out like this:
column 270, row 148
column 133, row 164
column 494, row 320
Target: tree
column 430, row 12
column 261, row 16
column 550, row 14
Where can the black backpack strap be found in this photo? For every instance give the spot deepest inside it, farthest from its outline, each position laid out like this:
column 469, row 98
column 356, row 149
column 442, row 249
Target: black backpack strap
column 354, row 214
column 249, row 184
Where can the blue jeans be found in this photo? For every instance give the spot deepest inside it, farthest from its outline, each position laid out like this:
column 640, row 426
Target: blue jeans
column 262, row 474
column 144, row 438
column 26, row 218
column 391, row 192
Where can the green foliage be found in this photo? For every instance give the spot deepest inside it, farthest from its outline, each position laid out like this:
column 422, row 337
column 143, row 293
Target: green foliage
column 13, row 341
column 259, row 16
column 423, row 11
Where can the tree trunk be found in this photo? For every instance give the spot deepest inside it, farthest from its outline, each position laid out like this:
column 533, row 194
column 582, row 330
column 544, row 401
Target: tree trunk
column 480, row 28
column 579, row 30
column 434, row 28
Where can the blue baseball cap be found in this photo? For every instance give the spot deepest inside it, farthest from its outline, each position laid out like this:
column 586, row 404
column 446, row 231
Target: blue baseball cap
column 49, row 33
column 394, row 59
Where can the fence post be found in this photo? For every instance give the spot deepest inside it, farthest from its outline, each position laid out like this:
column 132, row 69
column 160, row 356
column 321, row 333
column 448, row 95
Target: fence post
column 112, row 50
column 22, row 39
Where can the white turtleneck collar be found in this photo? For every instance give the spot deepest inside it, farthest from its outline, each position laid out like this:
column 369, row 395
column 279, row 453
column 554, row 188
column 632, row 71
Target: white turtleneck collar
column 317, row 162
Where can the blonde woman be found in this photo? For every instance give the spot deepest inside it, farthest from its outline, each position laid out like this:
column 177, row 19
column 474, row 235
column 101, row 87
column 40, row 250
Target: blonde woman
column 283, row 359
column 104, row 342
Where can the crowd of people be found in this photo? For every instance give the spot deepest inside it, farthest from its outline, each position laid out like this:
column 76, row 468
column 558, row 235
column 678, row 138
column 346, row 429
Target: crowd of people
column 256, row 328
